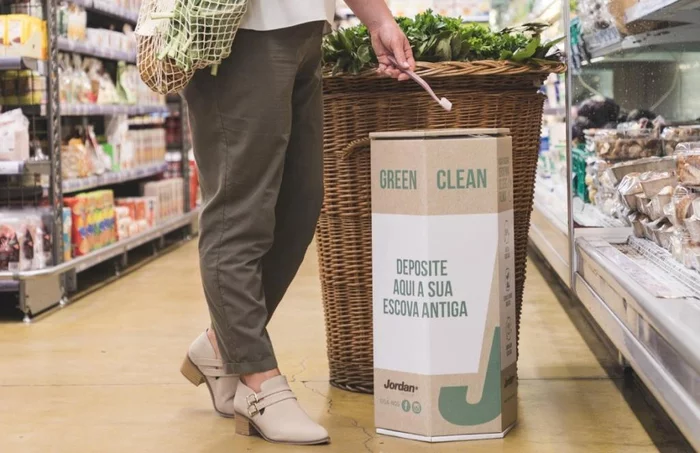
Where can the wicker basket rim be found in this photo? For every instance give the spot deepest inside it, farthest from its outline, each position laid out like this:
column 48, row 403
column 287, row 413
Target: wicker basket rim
column 461, row 68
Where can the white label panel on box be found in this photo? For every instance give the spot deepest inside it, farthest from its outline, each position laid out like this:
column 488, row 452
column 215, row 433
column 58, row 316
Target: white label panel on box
column 432, row 281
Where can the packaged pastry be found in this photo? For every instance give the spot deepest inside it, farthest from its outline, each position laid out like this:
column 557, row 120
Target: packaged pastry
column 691, row 256
column 693, row 226
column 672, row 136
column 662, row 234
column 629, row 187
column 643, row 203
column 655, row 210
column 670, row 213
column 656, row 228
column 683, row 203
column 688, row 163
column 637, row 221
column 619, row 145
column 659, row 202
column 679, row 241
column 652, row 182
column 650, row 228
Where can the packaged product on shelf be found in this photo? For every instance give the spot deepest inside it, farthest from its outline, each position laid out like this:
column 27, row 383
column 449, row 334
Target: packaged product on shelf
column 636, row 219
column 692, row 224
column 436, row 287
column 691, row 256
column 74, row 20
column 75, row 160
column 25, row 240
column 688, row 163
column 617, row 145
column 654, row 181
column 629, row 188
column 123, row 221
column 683, row 203
column 23, row 88
column 169, row 193
column 674, row 135
column 14, row 136
column 670, row 213
column 33, row 8
column 67, row 234
column 93, row 221
column 25, row 36
column 9, row 244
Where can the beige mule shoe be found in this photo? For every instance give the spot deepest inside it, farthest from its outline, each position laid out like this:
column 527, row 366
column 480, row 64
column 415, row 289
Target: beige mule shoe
column 202, row 366
column 275, row 415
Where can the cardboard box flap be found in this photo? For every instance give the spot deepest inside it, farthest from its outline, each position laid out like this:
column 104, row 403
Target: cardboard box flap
column 439, row 133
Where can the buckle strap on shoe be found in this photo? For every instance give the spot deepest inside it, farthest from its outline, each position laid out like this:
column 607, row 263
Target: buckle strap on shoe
column 259, row 401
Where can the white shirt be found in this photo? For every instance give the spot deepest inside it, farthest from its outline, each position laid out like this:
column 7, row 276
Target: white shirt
column 265, row 15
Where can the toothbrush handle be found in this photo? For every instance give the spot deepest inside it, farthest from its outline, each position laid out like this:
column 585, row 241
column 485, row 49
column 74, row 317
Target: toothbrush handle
column 418, row 79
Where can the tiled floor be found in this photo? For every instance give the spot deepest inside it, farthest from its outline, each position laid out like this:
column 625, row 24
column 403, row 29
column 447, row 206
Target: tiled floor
column 102, row 376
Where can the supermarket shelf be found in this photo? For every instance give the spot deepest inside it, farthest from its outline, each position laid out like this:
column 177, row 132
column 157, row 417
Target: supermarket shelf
column 108, row 179
column 99, row 256
column 20, row 63
column 107, row 8
column 68, row 45
column 25, row 167
column 105, row 110
column 609, row 42
column 97, row 109
column 665, row 10
column 648, row 306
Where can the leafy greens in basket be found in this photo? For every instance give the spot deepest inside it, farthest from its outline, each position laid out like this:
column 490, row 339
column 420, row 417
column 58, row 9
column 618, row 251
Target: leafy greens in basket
column 436, row 38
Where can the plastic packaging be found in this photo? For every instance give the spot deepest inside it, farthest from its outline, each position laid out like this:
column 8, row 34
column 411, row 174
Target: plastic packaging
column 637, row 221
column 693, row 226
column 688, row 163
column 652, row 182
column 672, row 136
column 619, row 145
column 683, row 203
column 14, row 136
column 629, row 187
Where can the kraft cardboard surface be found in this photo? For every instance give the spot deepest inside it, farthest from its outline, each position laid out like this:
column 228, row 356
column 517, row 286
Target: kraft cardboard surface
column 443, row 285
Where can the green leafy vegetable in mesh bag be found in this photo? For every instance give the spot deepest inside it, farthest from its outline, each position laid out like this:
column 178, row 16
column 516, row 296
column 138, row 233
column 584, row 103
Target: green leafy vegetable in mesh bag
column 178, row 37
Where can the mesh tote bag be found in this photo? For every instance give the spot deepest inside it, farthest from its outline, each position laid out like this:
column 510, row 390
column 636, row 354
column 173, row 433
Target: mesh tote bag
column 178, row 37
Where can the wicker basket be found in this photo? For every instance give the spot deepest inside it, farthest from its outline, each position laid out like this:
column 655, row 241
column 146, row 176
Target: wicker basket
column 488, row 94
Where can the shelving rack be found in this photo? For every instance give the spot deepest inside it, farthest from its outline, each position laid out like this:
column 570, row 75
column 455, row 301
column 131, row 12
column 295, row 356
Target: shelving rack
column 642, row 299
column 39, row 290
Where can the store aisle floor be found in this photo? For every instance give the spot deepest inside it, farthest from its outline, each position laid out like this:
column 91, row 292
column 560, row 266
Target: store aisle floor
column 102, row 376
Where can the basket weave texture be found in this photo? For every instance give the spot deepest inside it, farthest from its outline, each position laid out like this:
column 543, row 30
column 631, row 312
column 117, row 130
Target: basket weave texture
column 485, row 94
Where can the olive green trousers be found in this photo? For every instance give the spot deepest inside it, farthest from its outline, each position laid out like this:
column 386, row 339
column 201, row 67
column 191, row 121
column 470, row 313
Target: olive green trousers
column 257, row 131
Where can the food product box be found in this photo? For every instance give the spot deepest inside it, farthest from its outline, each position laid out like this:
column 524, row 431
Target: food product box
column 443, row 284
column 25, row 36
column 67, row 228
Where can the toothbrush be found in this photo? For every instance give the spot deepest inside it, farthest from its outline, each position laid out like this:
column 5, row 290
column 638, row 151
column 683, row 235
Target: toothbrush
column 444, row 103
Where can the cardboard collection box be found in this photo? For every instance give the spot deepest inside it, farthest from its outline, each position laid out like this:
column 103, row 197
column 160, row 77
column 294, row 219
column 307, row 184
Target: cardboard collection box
column 443, row 284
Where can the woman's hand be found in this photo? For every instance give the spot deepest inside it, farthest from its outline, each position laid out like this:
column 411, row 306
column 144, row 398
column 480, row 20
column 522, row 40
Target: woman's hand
column 389, row 40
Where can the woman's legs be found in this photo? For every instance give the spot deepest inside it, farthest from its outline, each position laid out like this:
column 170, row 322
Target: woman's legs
column 258, row 143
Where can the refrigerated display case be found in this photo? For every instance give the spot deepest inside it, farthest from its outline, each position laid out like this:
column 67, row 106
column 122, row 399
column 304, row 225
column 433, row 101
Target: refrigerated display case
column 616, row 211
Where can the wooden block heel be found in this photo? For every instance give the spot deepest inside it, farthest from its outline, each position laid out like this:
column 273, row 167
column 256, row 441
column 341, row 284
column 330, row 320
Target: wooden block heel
column 191, row 372
column 244, row 427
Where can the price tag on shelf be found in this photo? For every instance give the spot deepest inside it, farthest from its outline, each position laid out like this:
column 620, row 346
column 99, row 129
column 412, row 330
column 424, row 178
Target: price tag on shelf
column 603, row 38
